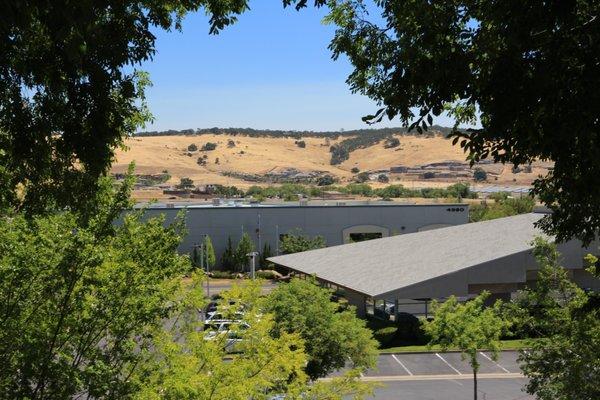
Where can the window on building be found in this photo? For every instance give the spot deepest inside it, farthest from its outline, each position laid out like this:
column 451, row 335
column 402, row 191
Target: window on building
column 362, row 236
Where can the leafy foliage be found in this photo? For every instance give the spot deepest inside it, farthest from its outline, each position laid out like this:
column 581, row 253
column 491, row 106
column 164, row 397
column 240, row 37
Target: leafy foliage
column 208, row 146
column 391, row 142
column 470, row 327
column 295, row 242
column 501, row 208
column 479, row 174
column 192, row 147
column 185, row 183
column 563, row 363
column 244, row 246
column 68, row 94
column 80, row 302
column 184, row 365
column 530, row 72
column 228, row 258
column 383, row 178
column 209, row 249
column 331, row 337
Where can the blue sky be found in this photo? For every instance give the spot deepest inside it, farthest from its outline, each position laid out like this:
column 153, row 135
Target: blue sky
column 271, row 70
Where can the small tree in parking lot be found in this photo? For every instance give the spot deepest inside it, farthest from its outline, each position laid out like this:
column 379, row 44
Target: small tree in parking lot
column 331, row 336
column 470, row 327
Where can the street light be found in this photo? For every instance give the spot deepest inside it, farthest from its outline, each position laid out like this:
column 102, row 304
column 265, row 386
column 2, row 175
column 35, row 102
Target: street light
column 203, row 260
column 253, row 255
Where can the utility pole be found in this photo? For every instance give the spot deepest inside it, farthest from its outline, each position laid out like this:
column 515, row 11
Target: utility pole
column 277, row 239
column 207, row 267
column 253, row 270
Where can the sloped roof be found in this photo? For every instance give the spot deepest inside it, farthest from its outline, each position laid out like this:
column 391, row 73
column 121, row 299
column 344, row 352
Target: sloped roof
column 379, row 266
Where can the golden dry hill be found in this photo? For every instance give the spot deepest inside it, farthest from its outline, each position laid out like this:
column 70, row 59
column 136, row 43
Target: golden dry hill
column 261, row 155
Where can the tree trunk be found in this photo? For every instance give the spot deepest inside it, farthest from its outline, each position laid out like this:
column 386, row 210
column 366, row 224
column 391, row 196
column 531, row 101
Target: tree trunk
column 474, row 385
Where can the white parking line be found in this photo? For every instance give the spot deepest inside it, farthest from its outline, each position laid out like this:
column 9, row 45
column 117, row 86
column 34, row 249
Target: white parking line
column 402, row 365
column 501, row 367
column 448, row 364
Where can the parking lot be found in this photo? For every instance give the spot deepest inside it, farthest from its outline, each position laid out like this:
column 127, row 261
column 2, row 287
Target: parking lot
column 421, row 376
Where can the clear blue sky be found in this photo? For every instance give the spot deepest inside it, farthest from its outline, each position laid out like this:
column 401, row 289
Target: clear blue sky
column 271, row 70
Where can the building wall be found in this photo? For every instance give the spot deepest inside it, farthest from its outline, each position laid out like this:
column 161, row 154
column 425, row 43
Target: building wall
column 328, row 221
column 501, row 276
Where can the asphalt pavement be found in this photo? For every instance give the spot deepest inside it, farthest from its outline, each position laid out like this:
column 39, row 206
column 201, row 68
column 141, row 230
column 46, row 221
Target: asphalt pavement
column 423, row 376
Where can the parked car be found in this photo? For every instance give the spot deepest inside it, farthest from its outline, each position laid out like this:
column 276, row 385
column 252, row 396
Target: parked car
column 230, row 332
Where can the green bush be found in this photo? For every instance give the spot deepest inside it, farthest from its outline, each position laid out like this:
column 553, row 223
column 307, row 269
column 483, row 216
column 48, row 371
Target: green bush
column 479, row 174
column 208, row 146
column 192, row 147
column 385, row 336
column 267, row 274
column 409, row 327
column 222, row 275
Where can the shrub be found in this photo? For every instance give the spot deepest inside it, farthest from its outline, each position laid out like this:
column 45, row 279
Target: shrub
column 230, row 143
column 383, row 178
column 185, row 183
column 192, row 147
column 300, row 143
column 355, row 170
column 479, row 174
column 222, row 275
column 268, row 274
column 325, row 180
column 208, row 146
column 391, row 142
column 385, row 336
column 409, row 327
column 362, row 177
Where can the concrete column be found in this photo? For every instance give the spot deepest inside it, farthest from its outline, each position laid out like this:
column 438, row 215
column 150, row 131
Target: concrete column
column 357, row 300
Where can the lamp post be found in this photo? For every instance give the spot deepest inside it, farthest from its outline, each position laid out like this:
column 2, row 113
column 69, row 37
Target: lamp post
column 253, row 270
column 205, row 254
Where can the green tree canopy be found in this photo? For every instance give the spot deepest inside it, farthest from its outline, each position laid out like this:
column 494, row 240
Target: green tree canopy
column 68, row 96
column 528, row 72
column 331, row 336
column 211, row 258
column 470, row 327
column 265, row 366
column 563, row 363
column 295, row 241
column 80, row 302
column 244, row 247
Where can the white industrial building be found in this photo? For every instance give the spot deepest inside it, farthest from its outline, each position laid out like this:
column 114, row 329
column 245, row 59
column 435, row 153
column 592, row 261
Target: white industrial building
column 336, row 222
column 405, row 272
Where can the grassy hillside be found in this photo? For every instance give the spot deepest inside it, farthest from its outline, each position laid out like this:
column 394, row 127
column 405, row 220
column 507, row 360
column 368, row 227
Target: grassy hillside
column 263, row 154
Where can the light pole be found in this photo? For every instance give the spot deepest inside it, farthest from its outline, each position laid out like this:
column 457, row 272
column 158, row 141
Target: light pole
column 207, row 267
column 253, row 270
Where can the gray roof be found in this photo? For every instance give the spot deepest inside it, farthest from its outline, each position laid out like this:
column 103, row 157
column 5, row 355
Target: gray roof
column 379, row 266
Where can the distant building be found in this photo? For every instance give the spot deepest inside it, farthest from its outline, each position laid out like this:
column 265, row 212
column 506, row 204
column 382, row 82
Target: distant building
column 338, row 222
column 406, row 272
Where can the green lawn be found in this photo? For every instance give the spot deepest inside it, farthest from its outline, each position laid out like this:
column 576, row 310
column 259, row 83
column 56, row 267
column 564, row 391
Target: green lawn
column 513, row 344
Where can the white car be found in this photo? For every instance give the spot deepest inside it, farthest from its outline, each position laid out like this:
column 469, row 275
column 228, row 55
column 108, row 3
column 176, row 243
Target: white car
column 230, row 332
